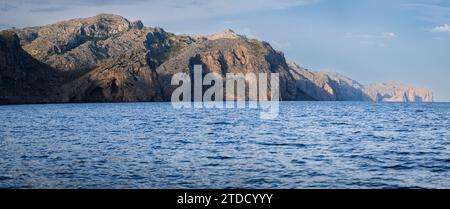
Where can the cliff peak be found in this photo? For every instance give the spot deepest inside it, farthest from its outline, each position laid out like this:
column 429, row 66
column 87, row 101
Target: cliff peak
column 108, row 15
column 226, row 34
column 112, row 19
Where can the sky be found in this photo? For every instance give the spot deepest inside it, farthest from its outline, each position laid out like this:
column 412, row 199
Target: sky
column 368, row 40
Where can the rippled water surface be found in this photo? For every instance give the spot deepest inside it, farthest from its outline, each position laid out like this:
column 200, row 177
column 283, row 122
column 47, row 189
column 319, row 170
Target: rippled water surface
column 152, row 145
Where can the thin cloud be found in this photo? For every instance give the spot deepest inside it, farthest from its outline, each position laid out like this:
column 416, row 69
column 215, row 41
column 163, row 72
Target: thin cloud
column 79, row 2
column 273, row 4
column 431, row 11
column 48, row 9
column 24, row 13
column 441, row 29
column 385, row 35
column 378, row 40
column 389, row 35
column 5, row 6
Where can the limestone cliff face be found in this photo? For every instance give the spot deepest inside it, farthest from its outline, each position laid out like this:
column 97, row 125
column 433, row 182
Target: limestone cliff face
column 328, row 86
column 107, row 58
column 306, row 81
column 128, row 78
column 396, row 92
column 84, row 43
column 230, row 55
column 343, row 88
column 125, row 61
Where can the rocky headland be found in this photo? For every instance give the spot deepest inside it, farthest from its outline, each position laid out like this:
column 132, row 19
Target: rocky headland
column 107, row 58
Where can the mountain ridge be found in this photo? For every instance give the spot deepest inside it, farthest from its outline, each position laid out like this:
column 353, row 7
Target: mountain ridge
column 342, row 88
column 107, row 58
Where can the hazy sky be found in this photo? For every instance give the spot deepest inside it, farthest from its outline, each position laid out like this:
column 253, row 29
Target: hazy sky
column 367, row 40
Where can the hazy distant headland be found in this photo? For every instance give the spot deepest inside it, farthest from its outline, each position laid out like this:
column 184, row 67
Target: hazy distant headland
column 107, row 58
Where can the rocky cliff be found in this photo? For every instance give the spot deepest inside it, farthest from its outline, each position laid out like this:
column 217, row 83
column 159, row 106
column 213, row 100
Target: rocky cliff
column 329, row 86
column 397, row 92
column 24, row 79
column 125, row 61
column 80, row 43
column 107, row 58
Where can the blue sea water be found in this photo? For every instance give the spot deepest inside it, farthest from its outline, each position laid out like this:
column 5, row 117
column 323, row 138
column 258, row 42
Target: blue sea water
column 152, row 145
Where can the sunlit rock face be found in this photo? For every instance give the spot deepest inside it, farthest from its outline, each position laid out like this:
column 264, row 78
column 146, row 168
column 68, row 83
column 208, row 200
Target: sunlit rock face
column 83, row 43
column 326, row 86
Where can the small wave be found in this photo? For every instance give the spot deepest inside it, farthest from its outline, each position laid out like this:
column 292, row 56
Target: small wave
column 287, row 175
column 64, row 173
column 439, row 170
column 402, row 153
column 298, row 162
column 219, row 157
column 2, row 178
column 402, row 130
column 219, row 123
column 225, row 142
column 314, row 173
column 398, row 167
column 135, row 176
column 282, row 144
column 183, row 142
column 257, row 181
column 444, row 160
column 211, row 165
column 339, row 123
column 35, row 157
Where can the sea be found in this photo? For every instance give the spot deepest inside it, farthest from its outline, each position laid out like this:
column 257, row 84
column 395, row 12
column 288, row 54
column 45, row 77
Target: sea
column 153, row 145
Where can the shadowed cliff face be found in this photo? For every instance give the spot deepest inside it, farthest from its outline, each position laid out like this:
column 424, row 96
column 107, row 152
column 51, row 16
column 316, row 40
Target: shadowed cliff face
column 24, row 79
column 107, row 58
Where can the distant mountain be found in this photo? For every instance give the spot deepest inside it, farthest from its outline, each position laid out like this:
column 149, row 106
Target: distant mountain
column 107, row 58
column 336, row 87
column 397, row 92
column 328, row 86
